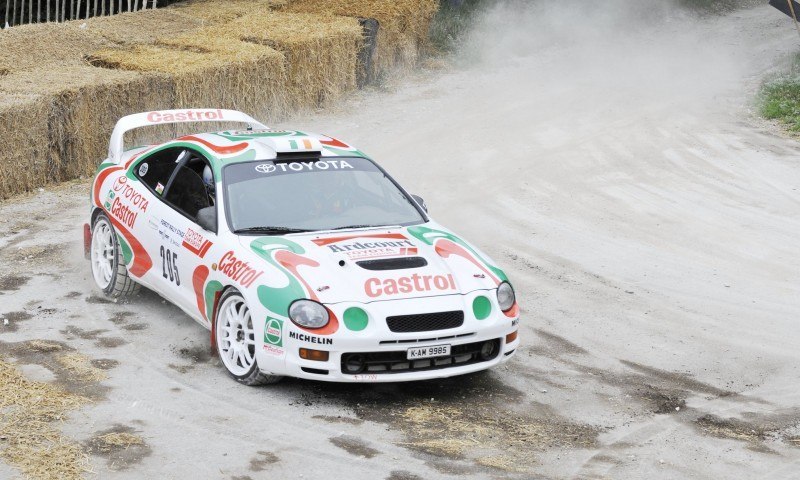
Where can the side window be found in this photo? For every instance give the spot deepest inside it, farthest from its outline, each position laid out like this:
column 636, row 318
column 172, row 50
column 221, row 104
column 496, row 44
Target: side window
column 192, row 188
column 155, row 170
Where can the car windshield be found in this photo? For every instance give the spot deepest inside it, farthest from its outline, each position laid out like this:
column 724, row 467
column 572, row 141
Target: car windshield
column 277, row 196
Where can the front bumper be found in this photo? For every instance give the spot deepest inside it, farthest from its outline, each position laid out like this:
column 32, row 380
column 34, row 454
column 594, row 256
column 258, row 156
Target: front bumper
column 385, row 351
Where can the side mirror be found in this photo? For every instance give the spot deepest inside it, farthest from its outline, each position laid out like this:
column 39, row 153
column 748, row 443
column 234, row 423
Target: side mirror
column 207, row 218
column 420, row 202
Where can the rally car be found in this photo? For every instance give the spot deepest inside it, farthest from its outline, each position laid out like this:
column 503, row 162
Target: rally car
column 301, row 255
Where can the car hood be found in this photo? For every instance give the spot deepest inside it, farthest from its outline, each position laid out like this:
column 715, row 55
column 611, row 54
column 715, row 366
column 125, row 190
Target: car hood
column 374, row 264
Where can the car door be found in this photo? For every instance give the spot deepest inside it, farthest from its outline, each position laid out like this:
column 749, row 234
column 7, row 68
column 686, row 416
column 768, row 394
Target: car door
column 182, row 244
column 154, row 173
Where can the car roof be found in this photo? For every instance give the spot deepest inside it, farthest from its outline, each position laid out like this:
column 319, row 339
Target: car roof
column 237, row 146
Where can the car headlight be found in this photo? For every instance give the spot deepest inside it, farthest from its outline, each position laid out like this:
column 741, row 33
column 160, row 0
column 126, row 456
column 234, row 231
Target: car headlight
column 308, row 314
column 505, row 296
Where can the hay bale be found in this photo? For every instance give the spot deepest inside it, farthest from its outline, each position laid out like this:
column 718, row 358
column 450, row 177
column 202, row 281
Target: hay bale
column 46, row 44
column 321, row 51
column 209, row 71
column 404, row 25
column 78, row 108
column 24, row 136
column 213, row 12
column 142, row 27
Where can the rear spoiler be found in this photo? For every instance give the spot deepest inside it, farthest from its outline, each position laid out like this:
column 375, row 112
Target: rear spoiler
column 162, row 117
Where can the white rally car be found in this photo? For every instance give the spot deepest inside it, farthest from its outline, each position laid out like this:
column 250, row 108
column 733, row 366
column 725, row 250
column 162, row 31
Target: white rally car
column 300, row 254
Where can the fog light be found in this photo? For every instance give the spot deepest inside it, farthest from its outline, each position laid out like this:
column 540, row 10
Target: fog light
column 316, row 355
column 488, row 350
column 511, row 337
column 354, row 364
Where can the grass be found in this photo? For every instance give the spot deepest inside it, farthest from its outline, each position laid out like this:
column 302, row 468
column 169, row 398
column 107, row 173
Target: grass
column 780, row 97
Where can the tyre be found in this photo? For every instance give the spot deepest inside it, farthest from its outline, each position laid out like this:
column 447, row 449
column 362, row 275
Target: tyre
column 236, row 342
column 108, row 267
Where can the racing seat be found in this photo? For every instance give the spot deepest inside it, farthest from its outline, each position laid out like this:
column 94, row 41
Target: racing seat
column 188, row 192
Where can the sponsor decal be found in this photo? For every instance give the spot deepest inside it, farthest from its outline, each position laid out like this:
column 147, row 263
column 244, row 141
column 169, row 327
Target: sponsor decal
column 123, row 213
column 167, row 231
column 358, row 247
column 196, row 243
column 273, row 332
column 361, row 250
column 375, row 287
column 273, row 350
column 187, row 116
column 303, row 337
column 238, row 270
column 289, row 167
column 122, row 189
column 159, row 188
column 515, row 322
column 143, row 168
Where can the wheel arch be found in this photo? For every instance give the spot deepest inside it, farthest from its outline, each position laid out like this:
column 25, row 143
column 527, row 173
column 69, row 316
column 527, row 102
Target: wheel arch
column 217, row 297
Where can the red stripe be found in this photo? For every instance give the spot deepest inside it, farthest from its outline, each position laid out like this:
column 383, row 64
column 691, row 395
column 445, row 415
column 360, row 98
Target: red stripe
column 205, row 248
column 198, row 282
column 291, row 261
column 141, row 260
column 445, row 248
column 332, row 142
column 217, row 148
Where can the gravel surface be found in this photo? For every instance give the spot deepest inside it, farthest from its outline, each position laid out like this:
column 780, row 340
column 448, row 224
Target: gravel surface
column 610, row 164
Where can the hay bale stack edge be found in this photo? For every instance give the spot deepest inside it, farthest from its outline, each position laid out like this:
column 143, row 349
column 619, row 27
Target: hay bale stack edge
column 63, row 86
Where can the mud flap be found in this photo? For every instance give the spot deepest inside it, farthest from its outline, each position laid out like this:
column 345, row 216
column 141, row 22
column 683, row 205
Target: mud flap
column 87, row 241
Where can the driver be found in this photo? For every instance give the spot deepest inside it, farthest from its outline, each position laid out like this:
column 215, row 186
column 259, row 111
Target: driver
column 336, row 196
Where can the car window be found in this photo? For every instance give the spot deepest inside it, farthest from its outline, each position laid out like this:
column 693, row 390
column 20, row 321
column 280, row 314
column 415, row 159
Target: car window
column 155, row 170
column 315, row 194
column 188, row 192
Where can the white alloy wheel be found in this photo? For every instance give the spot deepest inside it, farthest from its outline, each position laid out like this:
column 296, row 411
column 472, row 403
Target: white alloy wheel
column 235, row 336
column 236, row 341
column 103, row 253
column 108, row 267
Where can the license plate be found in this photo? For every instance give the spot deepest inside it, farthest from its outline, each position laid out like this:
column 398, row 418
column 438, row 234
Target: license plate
column 428, row 352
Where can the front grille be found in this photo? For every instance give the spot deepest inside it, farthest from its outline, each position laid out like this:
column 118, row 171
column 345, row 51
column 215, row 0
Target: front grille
column 425, row 322
column 396, row 361
column 399, row 263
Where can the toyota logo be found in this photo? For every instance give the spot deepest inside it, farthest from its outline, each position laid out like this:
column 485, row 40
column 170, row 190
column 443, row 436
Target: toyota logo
column 265, row 168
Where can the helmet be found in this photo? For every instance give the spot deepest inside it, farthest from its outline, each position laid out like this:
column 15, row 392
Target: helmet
column 208, row 177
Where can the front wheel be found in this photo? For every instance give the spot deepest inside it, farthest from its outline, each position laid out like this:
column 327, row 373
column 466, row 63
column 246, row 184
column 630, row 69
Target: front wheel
column 236, row 342
column 108, row 267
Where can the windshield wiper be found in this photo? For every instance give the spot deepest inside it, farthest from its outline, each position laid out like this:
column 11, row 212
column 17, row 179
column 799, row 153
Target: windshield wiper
column 271, row 230
column 348, row 227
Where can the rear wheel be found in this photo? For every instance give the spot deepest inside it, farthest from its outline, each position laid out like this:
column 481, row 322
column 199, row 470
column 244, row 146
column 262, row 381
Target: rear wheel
column 108, row 267
column 236, row 342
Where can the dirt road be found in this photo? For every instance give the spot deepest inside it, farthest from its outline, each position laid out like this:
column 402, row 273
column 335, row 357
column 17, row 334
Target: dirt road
column 611, row 164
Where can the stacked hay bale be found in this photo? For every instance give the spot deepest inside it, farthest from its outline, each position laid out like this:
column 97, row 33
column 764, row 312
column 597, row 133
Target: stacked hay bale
column 24, row 142
column 320, row 52
column 63, row 86
column 207, row 70
column 142, row 27
column 46, row 44
column 215, row 12
column 80, row 105
column 403, row 31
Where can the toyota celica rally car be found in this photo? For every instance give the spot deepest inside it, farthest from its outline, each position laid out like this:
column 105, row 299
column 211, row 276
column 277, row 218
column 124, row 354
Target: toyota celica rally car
column 300, row 254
